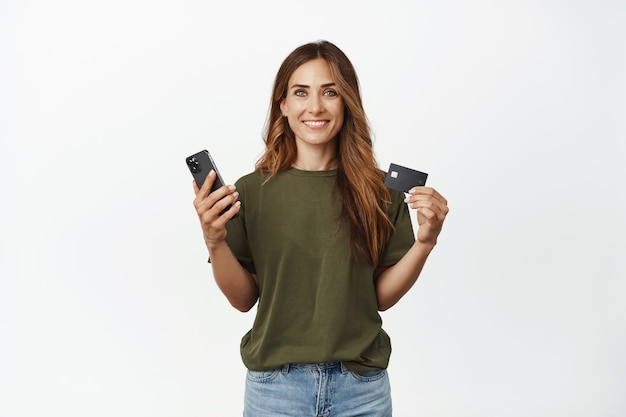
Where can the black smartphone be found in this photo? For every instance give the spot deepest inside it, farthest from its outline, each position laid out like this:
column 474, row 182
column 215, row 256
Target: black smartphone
column 200, row 164
column 403, row 179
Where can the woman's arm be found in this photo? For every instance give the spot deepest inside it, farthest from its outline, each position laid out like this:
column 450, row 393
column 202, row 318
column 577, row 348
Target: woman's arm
column 238, row 285
column 395, row 281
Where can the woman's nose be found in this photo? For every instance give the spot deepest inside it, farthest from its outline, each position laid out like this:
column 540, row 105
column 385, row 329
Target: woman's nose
column 316, row 105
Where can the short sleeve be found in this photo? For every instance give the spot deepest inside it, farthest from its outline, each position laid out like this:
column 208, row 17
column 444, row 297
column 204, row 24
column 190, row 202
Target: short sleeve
column 237, row 236
column 236, row 233
column 403, row 236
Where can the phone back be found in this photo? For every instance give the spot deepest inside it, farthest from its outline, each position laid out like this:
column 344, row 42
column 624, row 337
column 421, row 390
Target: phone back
column 200, row 164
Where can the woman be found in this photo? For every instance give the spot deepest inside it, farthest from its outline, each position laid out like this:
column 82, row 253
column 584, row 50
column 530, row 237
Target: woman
column 320, row 243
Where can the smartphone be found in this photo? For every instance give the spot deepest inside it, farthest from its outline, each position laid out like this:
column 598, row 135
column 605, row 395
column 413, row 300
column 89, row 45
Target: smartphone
column 200, row 164
column 403, row 179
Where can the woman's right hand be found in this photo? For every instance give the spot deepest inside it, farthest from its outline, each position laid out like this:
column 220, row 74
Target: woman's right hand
column 209, row 206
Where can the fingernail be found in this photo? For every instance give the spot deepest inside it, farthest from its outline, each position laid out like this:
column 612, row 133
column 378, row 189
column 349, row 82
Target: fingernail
column 231, row 187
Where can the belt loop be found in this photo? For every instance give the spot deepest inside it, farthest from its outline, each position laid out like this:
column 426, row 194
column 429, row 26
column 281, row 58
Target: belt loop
column 344, row 369
column 285, row 369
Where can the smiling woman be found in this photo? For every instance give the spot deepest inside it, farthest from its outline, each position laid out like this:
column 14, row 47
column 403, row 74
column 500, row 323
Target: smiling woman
column 515, row 108
column 320, row 243
column 314, row 110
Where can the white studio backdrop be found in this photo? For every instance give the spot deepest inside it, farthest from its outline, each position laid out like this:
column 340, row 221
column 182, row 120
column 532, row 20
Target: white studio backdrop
column 516, row 109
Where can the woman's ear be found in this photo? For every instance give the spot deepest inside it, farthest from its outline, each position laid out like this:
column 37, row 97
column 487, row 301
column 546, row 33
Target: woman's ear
column 283, row 108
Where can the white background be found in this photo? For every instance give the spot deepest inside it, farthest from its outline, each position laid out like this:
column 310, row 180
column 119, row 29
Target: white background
column 516, row 109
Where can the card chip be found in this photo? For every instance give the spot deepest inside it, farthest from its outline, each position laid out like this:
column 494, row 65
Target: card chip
column 394, row 174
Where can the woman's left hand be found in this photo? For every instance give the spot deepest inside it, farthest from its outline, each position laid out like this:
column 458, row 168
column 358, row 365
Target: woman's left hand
column 432, row 209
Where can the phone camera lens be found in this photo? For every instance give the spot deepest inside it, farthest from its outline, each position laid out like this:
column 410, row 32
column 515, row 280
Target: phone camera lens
column 193, row 164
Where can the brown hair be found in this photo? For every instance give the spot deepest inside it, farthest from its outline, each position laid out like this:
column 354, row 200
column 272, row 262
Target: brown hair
column 359, row 180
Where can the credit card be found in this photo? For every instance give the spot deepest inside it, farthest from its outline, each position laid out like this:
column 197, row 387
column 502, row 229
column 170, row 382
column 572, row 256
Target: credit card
column 403, row 179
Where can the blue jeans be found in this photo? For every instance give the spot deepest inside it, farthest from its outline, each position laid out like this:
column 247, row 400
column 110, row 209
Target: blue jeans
column 312, row 390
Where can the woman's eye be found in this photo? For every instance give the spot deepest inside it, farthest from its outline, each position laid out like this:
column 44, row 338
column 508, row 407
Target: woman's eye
column 330, row 93
column 300, row 93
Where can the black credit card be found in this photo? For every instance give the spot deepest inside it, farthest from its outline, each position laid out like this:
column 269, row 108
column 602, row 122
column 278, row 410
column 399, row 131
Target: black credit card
column 403, row 179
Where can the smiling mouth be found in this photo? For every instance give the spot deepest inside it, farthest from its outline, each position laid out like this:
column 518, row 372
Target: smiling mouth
column 315, row 123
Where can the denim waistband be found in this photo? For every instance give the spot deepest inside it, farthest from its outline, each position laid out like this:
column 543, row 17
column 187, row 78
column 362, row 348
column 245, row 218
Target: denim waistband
column 324, row 365
column 314, row 366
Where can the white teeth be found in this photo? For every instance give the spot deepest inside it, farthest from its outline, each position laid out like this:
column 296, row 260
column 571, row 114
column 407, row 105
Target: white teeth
column 316, row 123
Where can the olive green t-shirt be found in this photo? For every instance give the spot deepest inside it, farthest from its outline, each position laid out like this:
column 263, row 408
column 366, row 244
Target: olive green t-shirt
column 315, row 303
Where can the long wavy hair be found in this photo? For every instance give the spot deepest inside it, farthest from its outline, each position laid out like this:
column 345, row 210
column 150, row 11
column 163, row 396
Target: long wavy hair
column 359, row 180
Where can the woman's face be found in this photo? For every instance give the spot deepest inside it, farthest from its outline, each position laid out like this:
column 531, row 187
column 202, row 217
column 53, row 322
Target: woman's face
column 313, row 106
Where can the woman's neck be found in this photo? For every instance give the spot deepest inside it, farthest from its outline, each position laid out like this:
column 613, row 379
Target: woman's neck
column 316, row 161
